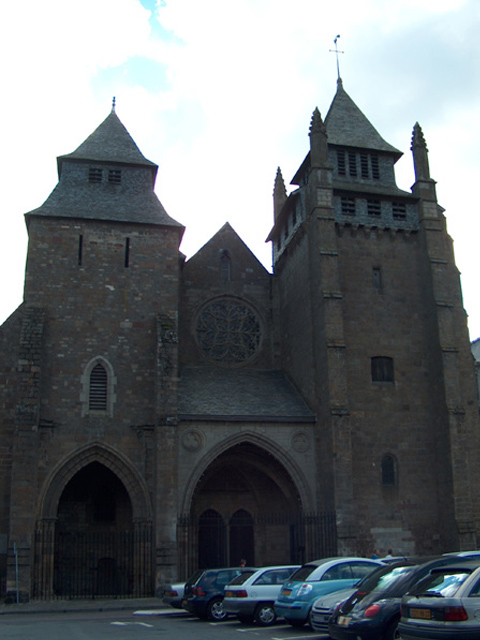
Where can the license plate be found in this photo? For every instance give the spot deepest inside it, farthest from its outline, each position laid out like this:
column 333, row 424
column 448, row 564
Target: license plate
column 424, row 614
column 344, row 621
column 286, row 592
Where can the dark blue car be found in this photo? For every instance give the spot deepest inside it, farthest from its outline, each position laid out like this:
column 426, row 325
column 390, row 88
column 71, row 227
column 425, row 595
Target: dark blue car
column 373, row 611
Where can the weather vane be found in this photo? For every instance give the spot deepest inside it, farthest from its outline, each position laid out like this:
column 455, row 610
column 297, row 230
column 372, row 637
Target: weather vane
column 336, row 52
column 113, row 104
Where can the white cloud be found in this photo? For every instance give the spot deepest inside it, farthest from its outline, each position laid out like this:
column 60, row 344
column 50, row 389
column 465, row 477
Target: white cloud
column 228, row 97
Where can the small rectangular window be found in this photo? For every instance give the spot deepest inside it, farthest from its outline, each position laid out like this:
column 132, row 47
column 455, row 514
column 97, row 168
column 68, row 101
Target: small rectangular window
column 375, row 167
column 352, row 164
column 341, row 163
column 94, row 174
column 348, row 206
column 374, row 208
column 114, row 176
column 80, row 250
column 382, row 369
column 364, row 165
column 377, row 278
column 127, row 252
column 399, row 210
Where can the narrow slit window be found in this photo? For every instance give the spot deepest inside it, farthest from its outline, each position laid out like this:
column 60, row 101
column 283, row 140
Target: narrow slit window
column 80, row 250
column 364, row 165
column 352, row 164
column 341, row 163
column 375, row 167
column 225, row 267
column 127, row 252
column 389, row 471
column 377, row 278
column 98, row 389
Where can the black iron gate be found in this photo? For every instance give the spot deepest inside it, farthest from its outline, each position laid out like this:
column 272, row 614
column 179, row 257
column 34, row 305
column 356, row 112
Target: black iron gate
column 91, row 565
column 308, row 536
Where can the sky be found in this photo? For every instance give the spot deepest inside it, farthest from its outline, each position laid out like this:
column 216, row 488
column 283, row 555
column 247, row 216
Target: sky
column 220, row 93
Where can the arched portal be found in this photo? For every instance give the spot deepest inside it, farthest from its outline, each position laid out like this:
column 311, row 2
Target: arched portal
column 91, row 541
column 258, row 505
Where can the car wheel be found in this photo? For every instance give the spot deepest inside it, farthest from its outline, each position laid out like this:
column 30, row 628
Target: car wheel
column 392, row 631
column 265, row 614
column 215, row 611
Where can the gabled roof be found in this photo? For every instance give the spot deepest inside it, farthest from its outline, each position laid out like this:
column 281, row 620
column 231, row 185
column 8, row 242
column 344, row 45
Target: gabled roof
column 110, row 142
column 347, row 126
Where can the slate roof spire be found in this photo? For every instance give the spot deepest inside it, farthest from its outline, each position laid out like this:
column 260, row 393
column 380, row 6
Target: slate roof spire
column 347, row 126
column 110, row 142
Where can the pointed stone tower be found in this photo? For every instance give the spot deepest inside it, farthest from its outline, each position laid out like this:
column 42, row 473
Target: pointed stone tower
column 374, row 334
column 98, row 358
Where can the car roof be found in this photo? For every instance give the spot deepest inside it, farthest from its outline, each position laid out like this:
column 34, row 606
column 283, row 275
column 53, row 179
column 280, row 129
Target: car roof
column 339, row 559
column 278, row 566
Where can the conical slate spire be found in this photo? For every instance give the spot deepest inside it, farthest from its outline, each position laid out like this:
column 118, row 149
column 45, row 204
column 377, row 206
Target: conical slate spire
column 420, row 154
column 110, row 142
column 347, row 126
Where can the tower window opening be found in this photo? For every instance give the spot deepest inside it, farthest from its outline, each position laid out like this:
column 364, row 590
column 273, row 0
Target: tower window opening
column 374, row 208
column 225, row 266
column 114, row 176
column 399, row 210
column 389, row 471
column 94, row 174
column 342, row 170
column 127, row 252
column 348, row 206
column 80, row 250
column 377, row 278
column 364, row 165
column 375, row 167
column 382, row 369
column 98, row 389
column 352, row 164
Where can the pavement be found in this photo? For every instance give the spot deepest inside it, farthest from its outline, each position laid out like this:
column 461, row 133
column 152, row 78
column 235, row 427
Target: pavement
column 139, row 605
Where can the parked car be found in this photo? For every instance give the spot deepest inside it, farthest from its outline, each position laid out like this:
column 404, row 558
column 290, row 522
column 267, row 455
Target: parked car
column 373, row 611
column 317, row 578
column 324, row 607
column 173, row 595
column 444, row 605
column 251, row 597
column 203, row 594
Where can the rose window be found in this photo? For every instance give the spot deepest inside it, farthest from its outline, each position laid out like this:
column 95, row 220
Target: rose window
column 228, row 332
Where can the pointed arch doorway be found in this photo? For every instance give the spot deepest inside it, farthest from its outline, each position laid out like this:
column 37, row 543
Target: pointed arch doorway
column 245, row 506
column 94, row 546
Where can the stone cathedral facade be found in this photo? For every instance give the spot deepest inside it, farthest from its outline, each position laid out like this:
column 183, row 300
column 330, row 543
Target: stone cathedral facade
column 161, row 414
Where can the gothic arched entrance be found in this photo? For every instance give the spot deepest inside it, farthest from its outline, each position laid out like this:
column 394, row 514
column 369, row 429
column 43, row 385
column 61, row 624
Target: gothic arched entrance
column 92, row 539
column 248, row 507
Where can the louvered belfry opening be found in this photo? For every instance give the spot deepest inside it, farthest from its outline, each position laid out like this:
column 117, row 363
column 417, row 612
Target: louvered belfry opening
column 98, row 389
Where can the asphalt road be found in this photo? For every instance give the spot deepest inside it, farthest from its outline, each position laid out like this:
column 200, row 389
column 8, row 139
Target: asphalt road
column 138, row 625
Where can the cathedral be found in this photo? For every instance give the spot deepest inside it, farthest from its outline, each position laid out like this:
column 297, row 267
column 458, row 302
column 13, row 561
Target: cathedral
column 160, row 414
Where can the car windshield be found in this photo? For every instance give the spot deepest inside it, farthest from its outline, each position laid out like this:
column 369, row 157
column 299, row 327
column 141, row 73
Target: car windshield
column 442, row 583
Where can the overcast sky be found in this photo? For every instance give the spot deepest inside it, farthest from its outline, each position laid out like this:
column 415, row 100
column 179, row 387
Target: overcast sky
column 219, row 93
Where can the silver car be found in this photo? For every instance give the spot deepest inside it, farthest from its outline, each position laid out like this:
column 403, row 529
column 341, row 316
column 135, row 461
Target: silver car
column 325, row 606
column 445, row 605
column 251, row 596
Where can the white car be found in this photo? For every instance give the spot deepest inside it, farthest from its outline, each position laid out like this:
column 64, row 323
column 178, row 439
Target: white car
column 325, row 606
column 251, row 595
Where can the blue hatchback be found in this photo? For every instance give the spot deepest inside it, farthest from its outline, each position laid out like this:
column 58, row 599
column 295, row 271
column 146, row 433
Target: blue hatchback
column 315, row 579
